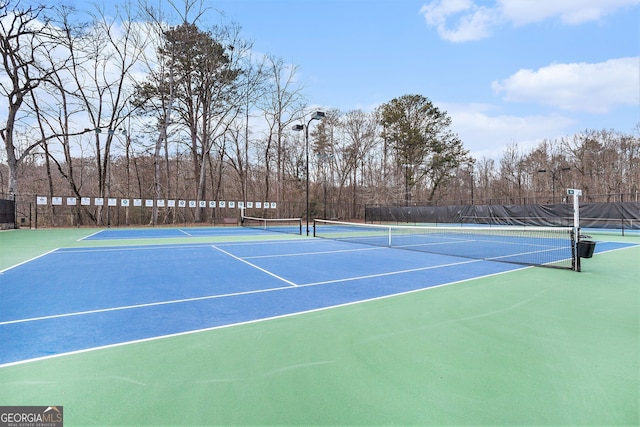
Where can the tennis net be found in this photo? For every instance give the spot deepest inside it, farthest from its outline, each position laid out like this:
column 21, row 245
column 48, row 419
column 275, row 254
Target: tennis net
column 280, row 225
column 539, row 246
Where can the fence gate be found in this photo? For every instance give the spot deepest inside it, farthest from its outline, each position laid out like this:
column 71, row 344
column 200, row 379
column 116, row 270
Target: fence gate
column 7, row 214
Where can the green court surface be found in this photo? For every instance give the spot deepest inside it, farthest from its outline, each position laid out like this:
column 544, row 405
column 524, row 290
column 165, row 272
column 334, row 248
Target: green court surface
column 531, row 347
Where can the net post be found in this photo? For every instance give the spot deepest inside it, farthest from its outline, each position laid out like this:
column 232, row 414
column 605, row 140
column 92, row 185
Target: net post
column 575, row 259
column 575, row 234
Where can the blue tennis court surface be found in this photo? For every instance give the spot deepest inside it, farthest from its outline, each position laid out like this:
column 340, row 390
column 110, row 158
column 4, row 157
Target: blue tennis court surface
column 76, row 299
column 160, row 233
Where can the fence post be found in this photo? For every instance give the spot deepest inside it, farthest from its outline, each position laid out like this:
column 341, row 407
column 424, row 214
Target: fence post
column 15, row 212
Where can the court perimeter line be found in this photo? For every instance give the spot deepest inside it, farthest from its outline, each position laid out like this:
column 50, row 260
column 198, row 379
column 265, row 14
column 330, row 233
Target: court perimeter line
column 90, row 235
column 28, row 260
column 254, row 266
column 248, row 322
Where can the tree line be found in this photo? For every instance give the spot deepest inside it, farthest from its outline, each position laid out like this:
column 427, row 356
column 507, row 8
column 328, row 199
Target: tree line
column 133, row 106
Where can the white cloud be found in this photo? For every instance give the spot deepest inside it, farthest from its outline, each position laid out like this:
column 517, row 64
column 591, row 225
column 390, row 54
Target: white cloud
column 472, row 22
column 574, row 12
column 465, row 20
column 487, row 133
column 594, row 88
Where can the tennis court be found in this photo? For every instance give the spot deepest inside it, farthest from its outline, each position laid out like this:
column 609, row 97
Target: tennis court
column 231, row 325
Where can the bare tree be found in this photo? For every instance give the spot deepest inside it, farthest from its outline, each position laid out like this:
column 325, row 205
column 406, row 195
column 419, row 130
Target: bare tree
column 251, row 89
column 25, row 36
column 156, row 97
column 359, row 130
column 281, row 106
column 512, row 174
column 605, row 161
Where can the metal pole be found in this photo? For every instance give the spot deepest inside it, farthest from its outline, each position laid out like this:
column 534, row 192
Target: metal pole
column 306, row 140
column 316, row 116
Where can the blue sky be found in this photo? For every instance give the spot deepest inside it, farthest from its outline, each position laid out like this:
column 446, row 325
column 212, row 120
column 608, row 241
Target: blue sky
column 506, row 71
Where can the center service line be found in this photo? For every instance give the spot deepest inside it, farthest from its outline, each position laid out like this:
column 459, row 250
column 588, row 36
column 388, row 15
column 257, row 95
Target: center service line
column 254, row 266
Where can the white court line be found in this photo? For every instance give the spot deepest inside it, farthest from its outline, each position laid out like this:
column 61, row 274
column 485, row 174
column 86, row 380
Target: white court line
column 90, row 235
column 377, row 248
column 391, row 273
column 254, row 266
column 27, row 261
column 151, row 304
column 133, row 248
column 255, row 233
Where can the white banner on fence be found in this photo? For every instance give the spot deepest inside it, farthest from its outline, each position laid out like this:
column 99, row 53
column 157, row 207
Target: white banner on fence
column 161, row 203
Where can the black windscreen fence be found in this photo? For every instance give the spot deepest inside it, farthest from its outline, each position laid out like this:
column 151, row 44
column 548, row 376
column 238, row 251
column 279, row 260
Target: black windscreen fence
column 7, row 213
column 618, row 215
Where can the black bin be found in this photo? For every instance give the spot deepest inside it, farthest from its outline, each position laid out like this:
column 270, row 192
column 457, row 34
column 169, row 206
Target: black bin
column 586, row 248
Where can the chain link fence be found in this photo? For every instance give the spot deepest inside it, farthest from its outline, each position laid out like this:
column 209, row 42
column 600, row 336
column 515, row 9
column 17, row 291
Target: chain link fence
column 27, row 211
column 33, row 211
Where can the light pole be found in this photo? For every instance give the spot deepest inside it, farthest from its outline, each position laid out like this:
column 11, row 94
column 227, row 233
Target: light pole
column 553, row 180
column 472, row 178
column 316, row 116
